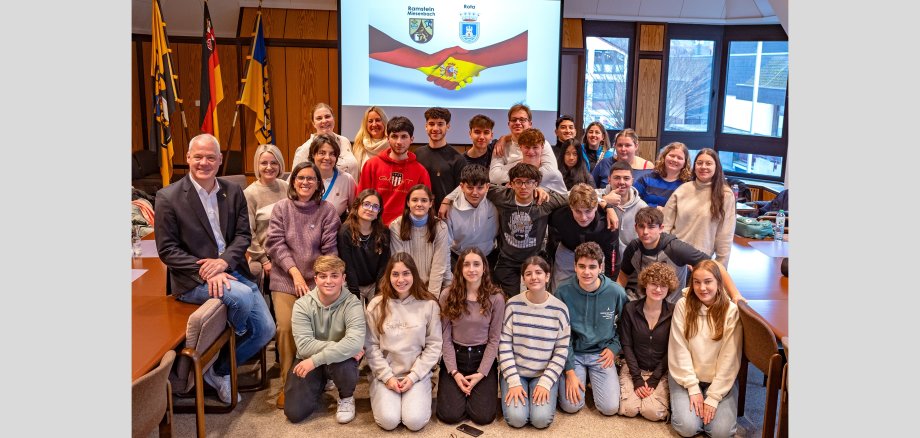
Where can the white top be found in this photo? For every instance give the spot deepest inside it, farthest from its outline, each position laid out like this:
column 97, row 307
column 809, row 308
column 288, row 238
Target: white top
column 346, row 163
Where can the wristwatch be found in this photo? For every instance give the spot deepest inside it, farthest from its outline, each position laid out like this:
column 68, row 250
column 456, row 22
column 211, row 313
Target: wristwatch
column 452, row 373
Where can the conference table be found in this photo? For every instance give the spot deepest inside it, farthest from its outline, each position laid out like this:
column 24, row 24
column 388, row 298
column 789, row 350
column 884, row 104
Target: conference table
column 158, row 321
column 755, row 267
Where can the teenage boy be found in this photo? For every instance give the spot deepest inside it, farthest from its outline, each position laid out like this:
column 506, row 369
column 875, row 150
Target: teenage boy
column 532, row 144
column 620, row 183
column 582, row 222
column 595, row 303
column 440, row 159
column 522, row 223
column 395, row 170
column 565, row 130
column 473, row 219
column 507, row 150
column 652, row 245
column 481, row 140
column 328, row 327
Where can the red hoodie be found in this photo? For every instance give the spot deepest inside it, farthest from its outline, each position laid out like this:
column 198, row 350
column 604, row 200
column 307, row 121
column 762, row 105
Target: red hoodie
column 392, row 179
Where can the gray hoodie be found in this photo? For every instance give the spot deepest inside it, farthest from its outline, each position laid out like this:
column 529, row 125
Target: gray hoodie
column 328, row 334
column 626, row 213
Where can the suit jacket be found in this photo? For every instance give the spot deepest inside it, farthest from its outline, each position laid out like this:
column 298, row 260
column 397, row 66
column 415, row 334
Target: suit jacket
column 184, row 236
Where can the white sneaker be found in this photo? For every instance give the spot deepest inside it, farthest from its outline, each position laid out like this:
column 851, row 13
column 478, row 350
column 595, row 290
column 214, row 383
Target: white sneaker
column 330, row 385
column 221, row 384
column 346, row 410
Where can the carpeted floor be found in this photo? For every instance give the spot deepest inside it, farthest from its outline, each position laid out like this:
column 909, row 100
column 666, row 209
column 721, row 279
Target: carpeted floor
column 257, row 416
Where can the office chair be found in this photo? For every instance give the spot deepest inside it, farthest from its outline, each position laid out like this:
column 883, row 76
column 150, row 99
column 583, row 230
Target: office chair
column 759, row 347
column 151, row 400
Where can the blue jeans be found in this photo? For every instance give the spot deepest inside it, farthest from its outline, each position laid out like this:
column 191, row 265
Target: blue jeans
column 518, row 415
column 605, row 384
column 246, row 312
column 687, row 424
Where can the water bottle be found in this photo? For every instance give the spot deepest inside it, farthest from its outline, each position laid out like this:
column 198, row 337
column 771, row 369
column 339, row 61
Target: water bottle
column 735, row 191
column 780, row 226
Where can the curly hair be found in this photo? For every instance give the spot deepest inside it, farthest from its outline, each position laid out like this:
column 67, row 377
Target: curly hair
column 658, row 274
column 661, row 168
column 455, row 306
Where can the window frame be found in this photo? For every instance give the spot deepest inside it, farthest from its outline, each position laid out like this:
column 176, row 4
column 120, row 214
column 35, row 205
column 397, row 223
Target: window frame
column 751, row 144
column 610, row 29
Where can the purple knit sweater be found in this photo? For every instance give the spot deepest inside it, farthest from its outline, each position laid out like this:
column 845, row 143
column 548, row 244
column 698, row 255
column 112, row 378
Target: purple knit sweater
column 298, row 233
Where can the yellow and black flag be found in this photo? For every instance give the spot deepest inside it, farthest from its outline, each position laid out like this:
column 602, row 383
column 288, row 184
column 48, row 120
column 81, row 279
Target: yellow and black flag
column 255, row 94
column 212, row 89
column 164, row 93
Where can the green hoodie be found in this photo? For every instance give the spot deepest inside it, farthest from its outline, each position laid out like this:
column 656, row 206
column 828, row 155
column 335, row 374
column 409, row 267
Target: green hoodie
column 593, row 315
column 328, row 334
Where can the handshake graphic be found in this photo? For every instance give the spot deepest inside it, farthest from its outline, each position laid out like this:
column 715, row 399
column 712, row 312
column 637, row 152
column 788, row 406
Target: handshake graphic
column 452, row 68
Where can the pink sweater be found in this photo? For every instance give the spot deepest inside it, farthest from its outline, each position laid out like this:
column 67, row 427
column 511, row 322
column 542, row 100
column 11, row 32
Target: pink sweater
column 298, row 233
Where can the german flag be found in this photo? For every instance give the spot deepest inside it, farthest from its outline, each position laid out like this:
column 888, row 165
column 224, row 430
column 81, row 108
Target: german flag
column 212, row 89
column 255, row 94
column 164, row 92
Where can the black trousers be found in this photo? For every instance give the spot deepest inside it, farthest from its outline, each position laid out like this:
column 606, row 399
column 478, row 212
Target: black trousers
column 302, row 394
column 482, row 404
column 508, row 276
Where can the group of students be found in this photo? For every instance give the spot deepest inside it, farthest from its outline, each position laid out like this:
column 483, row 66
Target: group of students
column 430, row 244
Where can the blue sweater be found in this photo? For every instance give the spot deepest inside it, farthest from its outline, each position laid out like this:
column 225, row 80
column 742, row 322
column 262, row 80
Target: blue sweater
column 654, row 190
column 594, row 316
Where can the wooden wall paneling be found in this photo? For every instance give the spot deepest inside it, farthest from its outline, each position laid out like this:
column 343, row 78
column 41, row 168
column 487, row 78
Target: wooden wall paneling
column 278, row 81
column 274, row 21
column 137, row 113
column 333, row 32
column 148, row 85
column 572, row 37
column 302, row 24
column 648, row 149
column 247, row 20
column 332, row 85
column 298, row 102
column 229, row 74
column 188, row 59
column 651, row 37
column 647, row 97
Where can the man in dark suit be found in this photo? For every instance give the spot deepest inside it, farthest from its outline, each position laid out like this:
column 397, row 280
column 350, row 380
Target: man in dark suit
column 202, row 233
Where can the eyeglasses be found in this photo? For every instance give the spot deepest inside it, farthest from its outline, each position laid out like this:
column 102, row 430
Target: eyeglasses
column 529, row 183
column 371, row 207
column 520, row 120
column 305, row 178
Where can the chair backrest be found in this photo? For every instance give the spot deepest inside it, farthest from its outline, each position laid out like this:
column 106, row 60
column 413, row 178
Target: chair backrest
column 205, row 325
column 759, row 343
column 238, row 179
column 150, row 397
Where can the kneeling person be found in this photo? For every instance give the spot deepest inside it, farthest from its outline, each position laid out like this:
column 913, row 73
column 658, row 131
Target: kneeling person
column 595, row 302
column 329, row 330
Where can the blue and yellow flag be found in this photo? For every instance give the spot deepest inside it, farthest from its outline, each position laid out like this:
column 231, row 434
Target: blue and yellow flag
column 255, row 93
column 164, row 93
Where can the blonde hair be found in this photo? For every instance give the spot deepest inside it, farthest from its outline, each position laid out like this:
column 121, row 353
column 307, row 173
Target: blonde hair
column 328, row 263
column 263, row 148
column 582, row 196
column 362, row 131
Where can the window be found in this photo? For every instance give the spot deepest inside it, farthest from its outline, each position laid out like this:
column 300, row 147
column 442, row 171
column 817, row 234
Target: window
column 755, row 88
column 753, row 164
column 605, row 81
column 689, row 85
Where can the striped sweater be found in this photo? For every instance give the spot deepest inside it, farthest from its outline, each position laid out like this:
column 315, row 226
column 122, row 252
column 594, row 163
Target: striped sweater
column 534, row 341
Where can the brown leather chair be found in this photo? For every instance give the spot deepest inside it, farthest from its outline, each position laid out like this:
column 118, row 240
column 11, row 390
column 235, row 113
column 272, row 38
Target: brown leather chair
column 759, row 347
column 783, row 427
column 151, row 400
column 206, row 333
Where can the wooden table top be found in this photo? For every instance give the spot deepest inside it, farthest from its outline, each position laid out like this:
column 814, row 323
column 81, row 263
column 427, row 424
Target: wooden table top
column 158, row 321
column 758, row 277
